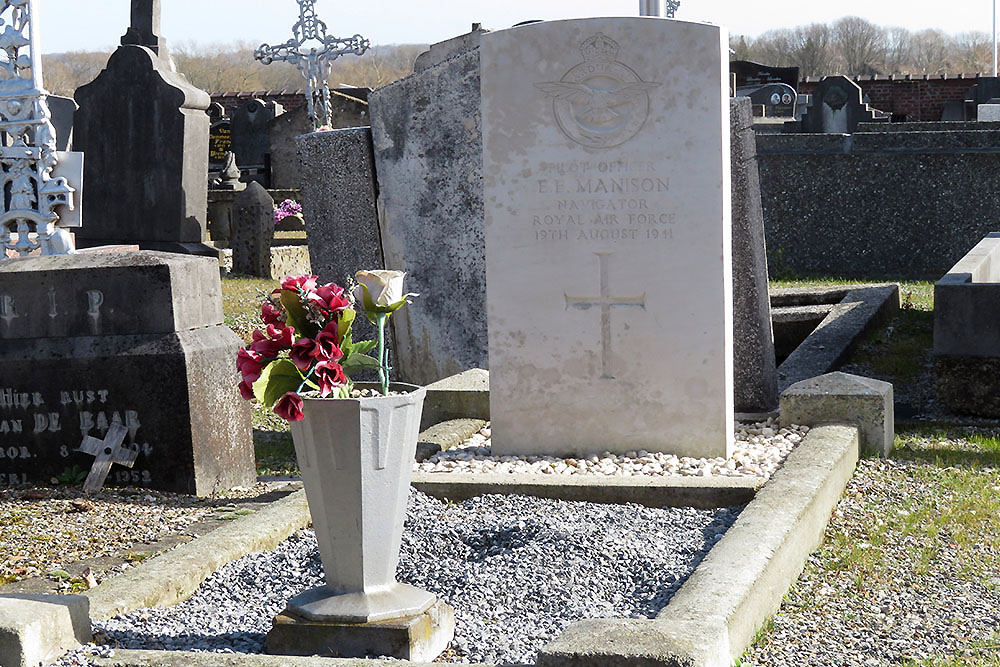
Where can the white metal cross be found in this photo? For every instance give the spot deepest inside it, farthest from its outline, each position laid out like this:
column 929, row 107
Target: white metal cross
column 313, row 52
column 107, row 451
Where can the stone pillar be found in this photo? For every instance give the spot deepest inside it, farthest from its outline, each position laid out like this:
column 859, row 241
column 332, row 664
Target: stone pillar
column 252, row 231
column 136, row 338
column 755, row 375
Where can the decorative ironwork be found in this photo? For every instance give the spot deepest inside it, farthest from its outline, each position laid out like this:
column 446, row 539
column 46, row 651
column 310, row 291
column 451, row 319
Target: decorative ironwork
column 671, row 8
column 28, row 154
column 312, row 51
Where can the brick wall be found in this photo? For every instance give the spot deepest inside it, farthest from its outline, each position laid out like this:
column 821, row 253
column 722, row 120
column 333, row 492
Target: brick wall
column 917, row 97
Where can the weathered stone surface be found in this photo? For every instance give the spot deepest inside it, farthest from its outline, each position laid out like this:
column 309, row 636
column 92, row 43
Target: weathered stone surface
column 837, row 107
column 593, row 220
column 755, row 377
column 78, row 353
column 345, row 111
column 832, row 203
column 62, row 110
column 252, row 231
column 144, row 130
column 339, row 203
column 842, row 398
column 428, row 157
column 35, row 629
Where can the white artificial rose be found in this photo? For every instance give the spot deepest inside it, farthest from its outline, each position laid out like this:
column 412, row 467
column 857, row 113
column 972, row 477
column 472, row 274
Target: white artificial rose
column 380, row 291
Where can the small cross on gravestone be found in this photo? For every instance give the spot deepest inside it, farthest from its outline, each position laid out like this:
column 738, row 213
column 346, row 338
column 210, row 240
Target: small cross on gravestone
column 107, row 451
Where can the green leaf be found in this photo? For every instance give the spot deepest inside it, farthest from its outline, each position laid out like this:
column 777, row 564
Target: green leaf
column 344, row 324
column 364, row 347
column 278, row 378
column 358, row 362
column 295, row 314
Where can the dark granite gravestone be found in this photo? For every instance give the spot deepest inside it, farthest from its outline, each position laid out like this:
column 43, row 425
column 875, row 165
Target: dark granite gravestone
column 249, row 138
column 144, row 131
column 755, row 374
column 252, row 231
column 339, row 203
column 132, row 337
column 837, row 107
column 777, row 99
column 749, row 73
column 345, row 111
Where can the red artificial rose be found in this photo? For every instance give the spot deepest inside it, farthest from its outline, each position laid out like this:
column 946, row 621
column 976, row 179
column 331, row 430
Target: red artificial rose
column 272, row 342
column 246, row 391
column 328, row 341
column 289, row 407
column 249, row 363
column 296, row 283
column 271, row 314
column 324, row 347
column 329, row 375
column 329, row 297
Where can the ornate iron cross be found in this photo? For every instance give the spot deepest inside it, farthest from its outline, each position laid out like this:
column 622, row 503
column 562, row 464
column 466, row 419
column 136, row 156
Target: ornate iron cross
column 107, row 451
column 671, row 8
column 28, row 155
column 606, row 302
column 312, row 51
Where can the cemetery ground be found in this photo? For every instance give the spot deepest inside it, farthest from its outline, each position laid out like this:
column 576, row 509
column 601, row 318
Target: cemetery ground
column 907, row 572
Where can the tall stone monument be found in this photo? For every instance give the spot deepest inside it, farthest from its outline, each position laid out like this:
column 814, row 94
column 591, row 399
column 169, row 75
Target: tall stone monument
column 606, row 167
column 144, row 131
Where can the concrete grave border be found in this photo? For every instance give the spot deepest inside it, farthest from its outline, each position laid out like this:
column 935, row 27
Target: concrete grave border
column 708, row 623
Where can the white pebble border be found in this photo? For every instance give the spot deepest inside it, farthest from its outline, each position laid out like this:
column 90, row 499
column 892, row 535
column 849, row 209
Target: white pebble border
column 759, row 451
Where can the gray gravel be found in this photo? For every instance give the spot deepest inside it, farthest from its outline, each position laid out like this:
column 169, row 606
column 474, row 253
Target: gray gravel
column 895, row 611
column 516, row 569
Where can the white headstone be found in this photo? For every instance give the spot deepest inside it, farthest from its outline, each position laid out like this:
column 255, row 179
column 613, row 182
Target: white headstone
column 609, row 289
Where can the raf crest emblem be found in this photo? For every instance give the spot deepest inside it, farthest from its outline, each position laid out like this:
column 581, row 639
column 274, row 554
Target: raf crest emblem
column 601, row 102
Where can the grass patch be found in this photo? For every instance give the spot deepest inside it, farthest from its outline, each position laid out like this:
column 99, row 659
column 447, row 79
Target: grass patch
column 979, row 654
column 275, row 453
column 241, row 299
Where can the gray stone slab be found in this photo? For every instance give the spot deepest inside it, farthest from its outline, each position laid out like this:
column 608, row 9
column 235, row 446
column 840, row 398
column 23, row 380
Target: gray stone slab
column 35, row 629
column 252, row 231
column 428, row 157
column 339, row 205
column 842, row 398
column 144, row 131
column 755, row 379
column 87, row 355
column 250, row 131
column 191, row 659
column 62, row 109
column 465, row 395
column 967, row 304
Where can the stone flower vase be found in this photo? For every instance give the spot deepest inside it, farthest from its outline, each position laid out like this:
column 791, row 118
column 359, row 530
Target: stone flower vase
column 356, row 457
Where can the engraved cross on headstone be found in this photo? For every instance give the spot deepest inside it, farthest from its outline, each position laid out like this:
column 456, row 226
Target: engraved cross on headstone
column 606, row 302
column 107, row 451
column 312, row 51
column 144, row 29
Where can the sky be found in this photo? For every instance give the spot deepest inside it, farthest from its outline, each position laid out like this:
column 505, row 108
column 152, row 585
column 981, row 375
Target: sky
column 72, row 25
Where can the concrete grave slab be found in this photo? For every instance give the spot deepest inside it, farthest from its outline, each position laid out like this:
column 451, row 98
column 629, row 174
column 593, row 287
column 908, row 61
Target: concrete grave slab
column 843, row 398
column 606, row 168
column 38, row 628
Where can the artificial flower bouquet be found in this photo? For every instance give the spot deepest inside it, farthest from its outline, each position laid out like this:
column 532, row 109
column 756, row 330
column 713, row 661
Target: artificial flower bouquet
column 307, row 345
column 287, row 208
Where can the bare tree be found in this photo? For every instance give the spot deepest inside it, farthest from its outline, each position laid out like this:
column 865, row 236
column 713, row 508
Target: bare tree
column 899, row 50
column 973, row 52
column 930, row 52
column 811, row 49
column 861, row 45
